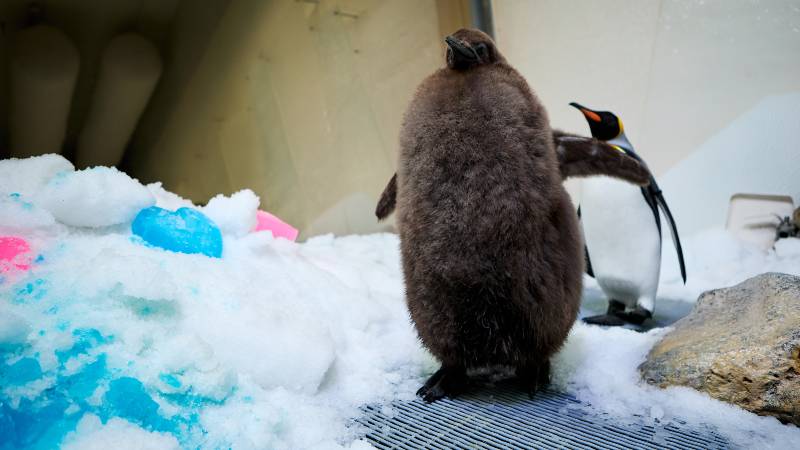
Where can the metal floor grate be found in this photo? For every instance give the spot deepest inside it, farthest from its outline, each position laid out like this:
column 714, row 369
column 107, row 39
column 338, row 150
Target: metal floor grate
column 504, row 418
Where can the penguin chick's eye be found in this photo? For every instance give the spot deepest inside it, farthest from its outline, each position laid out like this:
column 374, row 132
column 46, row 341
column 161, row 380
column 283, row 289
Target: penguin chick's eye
column 481, row 50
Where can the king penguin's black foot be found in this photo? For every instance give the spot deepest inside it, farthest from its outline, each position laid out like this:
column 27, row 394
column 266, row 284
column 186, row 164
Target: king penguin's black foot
column 612, row 317
column 532, row 378
column 446, row 382
column 607, row 320
column 636, row 317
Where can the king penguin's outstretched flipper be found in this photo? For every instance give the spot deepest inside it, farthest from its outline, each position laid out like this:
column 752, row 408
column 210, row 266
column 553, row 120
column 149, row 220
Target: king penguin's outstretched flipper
column 388, row 198
column 580, row 156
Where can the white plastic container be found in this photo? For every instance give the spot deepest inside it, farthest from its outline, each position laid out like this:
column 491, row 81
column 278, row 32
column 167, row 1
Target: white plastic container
column 43, row 68
column 129, row 71
column 754, row 218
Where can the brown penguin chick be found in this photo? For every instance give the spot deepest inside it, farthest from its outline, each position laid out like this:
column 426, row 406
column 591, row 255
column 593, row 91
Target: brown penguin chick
column 491, row 250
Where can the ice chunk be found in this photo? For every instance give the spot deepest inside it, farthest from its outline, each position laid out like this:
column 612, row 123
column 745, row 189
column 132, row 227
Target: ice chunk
column 92, row 434
column 293, row 357
column 26, row 176
column 235, row 215
column 166, row 199
column 185, row 230
column 96, row 197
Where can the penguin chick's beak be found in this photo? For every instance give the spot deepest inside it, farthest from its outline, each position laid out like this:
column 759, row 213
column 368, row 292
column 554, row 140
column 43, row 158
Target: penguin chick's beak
column 588, row 113
column 461, row 52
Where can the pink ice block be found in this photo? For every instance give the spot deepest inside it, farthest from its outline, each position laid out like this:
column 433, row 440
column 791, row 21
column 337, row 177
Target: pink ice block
column 279, row 228
column 14, row 253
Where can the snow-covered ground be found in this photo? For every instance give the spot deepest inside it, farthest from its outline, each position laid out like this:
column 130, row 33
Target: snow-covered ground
column 108, row 343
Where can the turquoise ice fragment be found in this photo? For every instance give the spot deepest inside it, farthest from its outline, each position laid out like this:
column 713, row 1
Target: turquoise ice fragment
column 170, row 380
column 82, row 384
column 85, row 339
column 21, row 372
column 185, row 230
column 128, row 399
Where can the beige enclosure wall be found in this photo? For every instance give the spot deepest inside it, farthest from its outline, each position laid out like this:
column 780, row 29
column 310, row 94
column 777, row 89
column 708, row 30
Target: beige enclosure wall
column 299, row 101
column 676, row 72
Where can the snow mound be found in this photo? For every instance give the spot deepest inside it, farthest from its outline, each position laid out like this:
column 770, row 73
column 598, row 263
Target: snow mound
column 95, row 197
column 109, row 343
column 26, row 176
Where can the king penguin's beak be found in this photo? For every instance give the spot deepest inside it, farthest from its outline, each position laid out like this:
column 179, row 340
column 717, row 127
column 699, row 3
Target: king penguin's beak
column 460, row 51
column 588, row 113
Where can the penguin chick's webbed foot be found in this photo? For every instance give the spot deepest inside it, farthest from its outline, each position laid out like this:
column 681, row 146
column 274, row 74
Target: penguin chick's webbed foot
column 534, row 377
column 446, row 382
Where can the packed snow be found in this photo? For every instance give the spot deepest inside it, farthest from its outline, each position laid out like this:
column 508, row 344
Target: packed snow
column 108, row 342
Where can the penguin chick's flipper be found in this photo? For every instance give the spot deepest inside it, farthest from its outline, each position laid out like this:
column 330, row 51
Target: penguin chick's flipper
column 388, row 198
column 580, row 156
column 533, row 377
column 589, row 270
column 446, row 382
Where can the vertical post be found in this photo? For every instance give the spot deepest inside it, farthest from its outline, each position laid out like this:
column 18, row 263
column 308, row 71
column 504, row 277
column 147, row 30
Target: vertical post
column 481, row 12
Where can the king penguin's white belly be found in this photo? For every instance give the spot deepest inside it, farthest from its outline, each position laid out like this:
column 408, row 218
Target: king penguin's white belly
column 623, row 241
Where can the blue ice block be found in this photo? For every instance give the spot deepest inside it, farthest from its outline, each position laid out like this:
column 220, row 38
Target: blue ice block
column 185, row 230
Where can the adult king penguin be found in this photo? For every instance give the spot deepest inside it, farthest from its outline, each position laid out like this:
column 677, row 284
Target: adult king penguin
column 491, row 248
column 622, row 230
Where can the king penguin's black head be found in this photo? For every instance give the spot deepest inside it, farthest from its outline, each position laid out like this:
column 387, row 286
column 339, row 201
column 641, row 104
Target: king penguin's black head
column 468, row 48
column 604, row 124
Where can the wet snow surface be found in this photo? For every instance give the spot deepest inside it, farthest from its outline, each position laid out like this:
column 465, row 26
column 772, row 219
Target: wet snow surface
column 107, row 342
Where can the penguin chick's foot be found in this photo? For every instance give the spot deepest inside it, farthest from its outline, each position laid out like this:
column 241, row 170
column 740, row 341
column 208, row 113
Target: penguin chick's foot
column 534, row 377
column 446, row 382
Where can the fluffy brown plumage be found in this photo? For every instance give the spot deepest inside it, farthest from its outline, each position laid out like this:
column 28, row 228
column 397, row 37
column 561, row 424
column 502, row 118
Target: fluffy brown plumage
column 491, row 250
column 578, row 156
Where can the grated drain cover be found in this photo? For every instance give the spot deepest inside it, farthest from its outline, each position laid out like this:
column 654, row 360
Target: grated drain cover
column 505, row 418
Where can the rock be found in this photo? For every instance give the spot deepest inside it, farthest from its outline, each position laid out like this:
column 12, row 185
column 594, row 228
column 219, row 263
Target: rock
column 739, row 344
